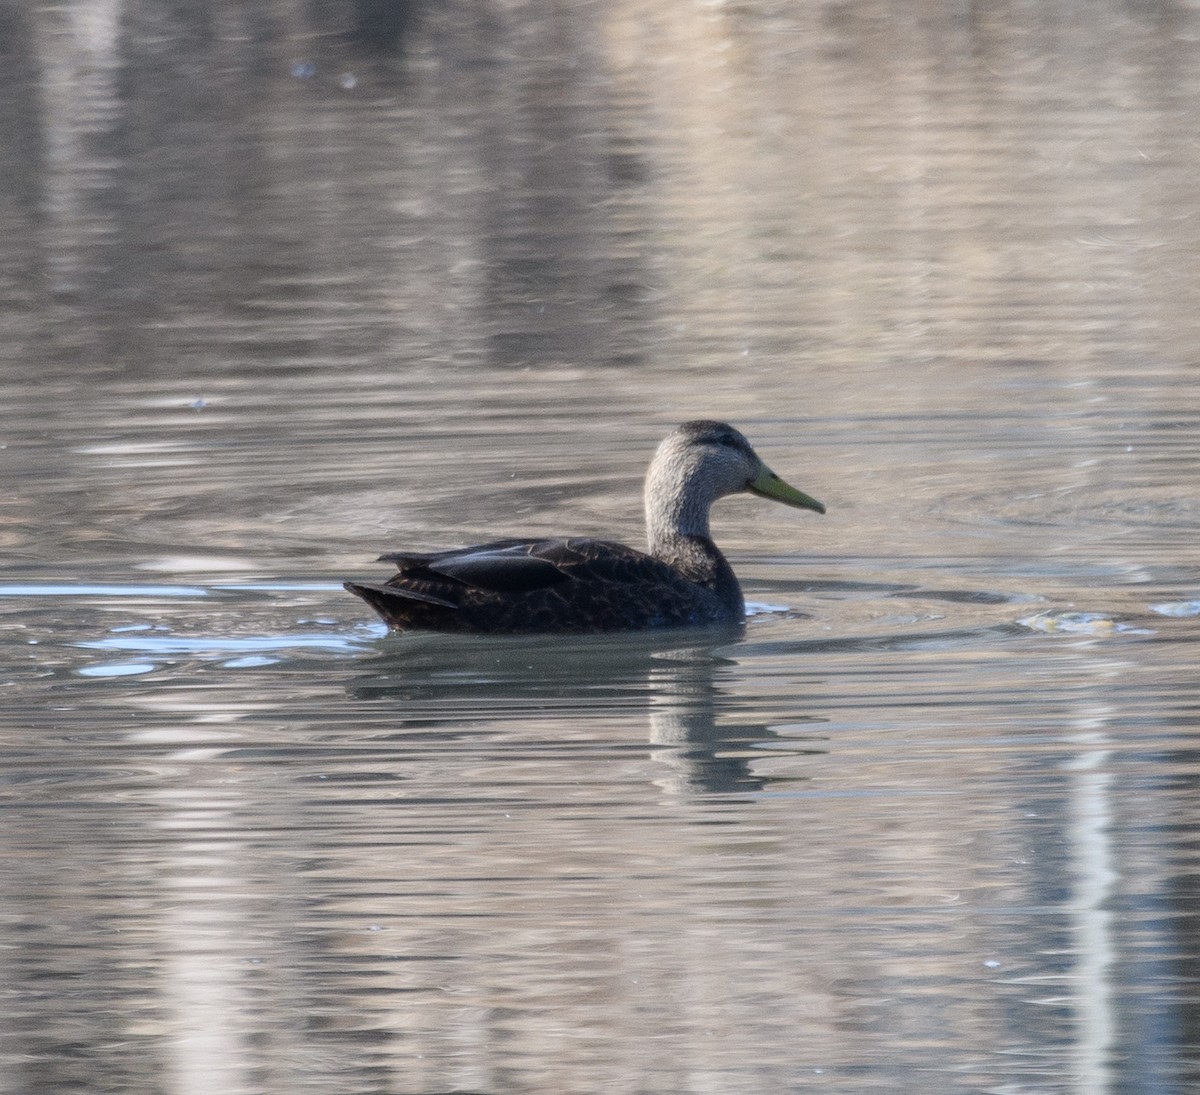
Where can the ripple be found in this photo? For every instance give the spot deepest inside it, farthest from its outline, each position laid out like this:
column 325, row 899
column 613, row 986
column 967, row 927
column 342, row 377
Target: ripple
column 1138, row 507
column 140, row 590
column 897, row 639
column 1096, row 624
column 967, row 596
column 74, row 589
column 118, row 669
column 160, row 645
column 1177, row 608
column 761, row 608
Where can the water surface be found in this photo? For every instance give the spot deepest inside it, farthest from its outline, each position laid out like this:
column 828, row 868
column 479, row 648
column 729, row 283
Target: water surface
column 280, row 295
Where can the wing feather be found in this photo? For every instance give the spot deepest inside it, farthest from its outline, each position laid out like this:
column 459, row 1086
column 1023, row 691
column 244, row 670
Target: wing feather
column 538, row 586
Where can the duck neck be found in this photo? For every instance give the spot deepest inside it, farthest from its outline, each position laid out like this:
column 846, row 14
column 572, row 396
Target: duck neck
column 699, row 560
column 673, row 520
column 679, row 536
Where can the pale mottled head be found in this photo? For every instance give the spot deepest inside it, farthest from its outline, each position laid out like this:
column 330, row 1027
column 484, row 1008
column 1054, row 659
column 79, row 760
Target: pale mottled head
column 696, row 464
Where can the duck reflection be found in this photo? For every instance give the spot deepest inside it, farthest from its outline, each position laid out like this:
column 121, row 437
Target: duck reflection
column 672, row 680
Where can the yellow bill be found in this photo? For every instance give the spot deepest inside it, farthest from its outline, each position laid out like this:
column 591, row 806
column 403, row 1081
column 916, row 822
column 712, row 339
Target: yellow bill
column 768, row 485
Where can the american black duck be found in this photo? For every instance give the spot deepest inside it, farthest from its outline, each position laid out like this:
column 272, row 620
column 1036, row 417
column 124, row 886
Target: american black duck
column 582, row 585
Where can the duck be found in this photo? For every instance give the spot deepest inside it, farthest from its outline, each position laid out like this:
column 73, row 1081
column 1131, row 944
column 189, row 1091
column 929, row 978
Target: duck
column 582, row 585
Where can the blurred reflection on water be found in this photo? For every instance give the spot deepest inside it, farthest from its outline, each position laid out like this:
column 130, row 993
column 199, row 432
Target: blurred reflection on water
column 287, row 285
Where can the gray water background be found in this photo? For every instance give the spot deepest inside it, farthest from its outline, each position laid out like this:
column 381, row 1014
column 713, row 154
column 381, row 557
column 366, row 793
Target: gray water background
column 280, row 291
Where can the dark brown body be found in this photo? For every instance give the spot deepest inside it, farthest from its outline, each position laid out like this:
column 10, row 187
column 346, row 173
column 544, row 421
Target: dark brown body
column 546, row 586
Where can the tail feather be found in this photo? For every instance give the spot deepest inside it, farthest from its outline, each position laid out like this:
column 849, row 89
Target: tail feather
column 391, row 601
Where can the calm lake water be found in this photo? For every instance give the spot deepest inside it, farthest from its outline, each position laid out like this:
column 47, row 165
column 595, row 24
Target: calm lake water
column 282, row 290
